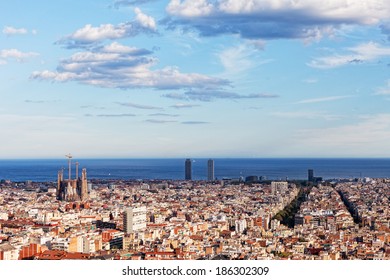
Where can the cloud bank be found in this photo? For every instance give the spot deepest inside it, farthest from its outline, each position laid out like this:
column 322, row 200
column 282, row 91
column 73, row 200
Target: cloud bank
column 366, row 52
column 119, row 66
column 212, row 94
column 274, row 19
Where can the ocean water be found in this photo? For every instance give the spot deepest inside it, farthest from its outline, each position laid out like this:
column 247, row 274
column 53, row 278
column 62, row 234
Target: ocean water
column 273, row 169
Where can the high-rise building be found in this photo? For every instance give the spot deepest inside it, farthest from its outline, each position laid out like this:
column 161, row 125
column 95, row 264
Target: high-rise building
column 310, row 175
column 134, row 219
column 280, row 187
column 210, row 170
column 240, row 225
column 188, row 169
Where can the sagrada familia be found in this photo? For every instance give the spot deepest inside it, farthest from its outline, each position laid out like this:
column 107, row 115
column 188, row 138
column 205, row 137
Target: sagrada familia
column 72, row 189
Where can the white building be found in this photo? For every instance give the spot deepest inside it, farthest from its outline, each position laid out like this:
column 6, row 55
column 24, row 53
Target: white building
column 240, row 225
column 280, row 187
column 134, row 219
column 4, row 216
column 88, row 245
column 8, row 252
column 275, row 224
column 40, row 239
column 61, row 244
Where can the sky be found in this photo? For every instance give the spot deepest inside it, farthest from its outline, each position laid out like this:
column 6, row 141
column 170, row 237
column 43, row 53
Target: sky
column 194, row 78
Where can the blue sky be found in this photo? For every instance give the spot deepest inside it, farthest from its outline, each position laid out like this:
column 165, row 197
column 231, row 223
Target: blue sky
column 200, row 78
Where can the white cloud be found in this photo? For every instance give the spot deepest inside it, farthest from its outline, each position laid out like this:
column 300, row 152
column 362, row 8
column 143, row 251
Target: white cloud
column 236, row 59
column 270, row 19
column 323, row 99
column 115, row 47
column 105, row 31
column 118, row 66
column 366, row 52
column 18, row 55
column 90, row 35
column 55, row 76
column 190, row 8
column 363, row 11
column 240, row 59
column 144, row 20
column 9, row 30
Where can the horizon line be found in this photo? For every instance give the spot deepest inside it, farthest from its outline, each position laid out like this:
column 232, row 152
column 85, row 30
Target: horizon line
column 195, row 158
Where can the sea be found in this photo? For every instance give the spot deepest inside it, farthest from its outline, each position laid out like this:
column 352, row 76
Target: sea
column 45, row 170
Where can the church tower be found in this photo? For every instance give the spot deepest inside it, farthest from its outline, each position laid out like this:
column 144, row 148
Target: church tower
column 72, row 189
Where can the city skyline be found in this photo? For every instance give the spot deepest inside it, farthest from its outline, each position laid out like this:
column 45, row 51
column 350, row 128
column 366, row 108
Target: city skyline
column 195, row 79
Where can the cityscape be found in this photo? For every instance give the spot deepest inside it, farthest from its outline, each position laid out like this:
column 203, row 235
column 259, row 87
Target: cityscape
column 195, row 130
column 248, row 218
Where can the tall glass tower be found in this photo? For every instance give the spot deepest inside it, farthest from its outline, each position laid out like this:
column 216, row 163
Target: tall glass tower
column 310, row 175
column 210, row 170
column 188, row 169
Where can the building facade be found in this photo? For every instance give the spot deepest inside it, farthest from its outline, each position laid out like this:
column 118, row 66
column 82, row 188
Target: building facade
column 279, row 187
column 134, row 219
column 72, row 189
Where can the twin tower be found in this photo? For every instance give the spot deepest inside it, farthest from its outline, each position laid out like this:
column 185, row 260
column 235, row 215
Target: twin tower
column 188, row 170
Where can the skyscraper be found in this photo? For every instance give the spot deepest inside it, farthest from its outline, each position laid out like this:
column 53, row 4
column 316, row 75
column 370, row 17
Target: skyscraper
column 188, row 169
column 310, row 176
column 210, row 170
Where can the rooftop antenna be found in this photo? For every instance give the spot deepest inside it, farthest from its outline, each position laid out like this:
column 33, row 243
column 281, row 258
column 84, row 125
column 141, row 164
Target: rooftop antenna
column 69, row 156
